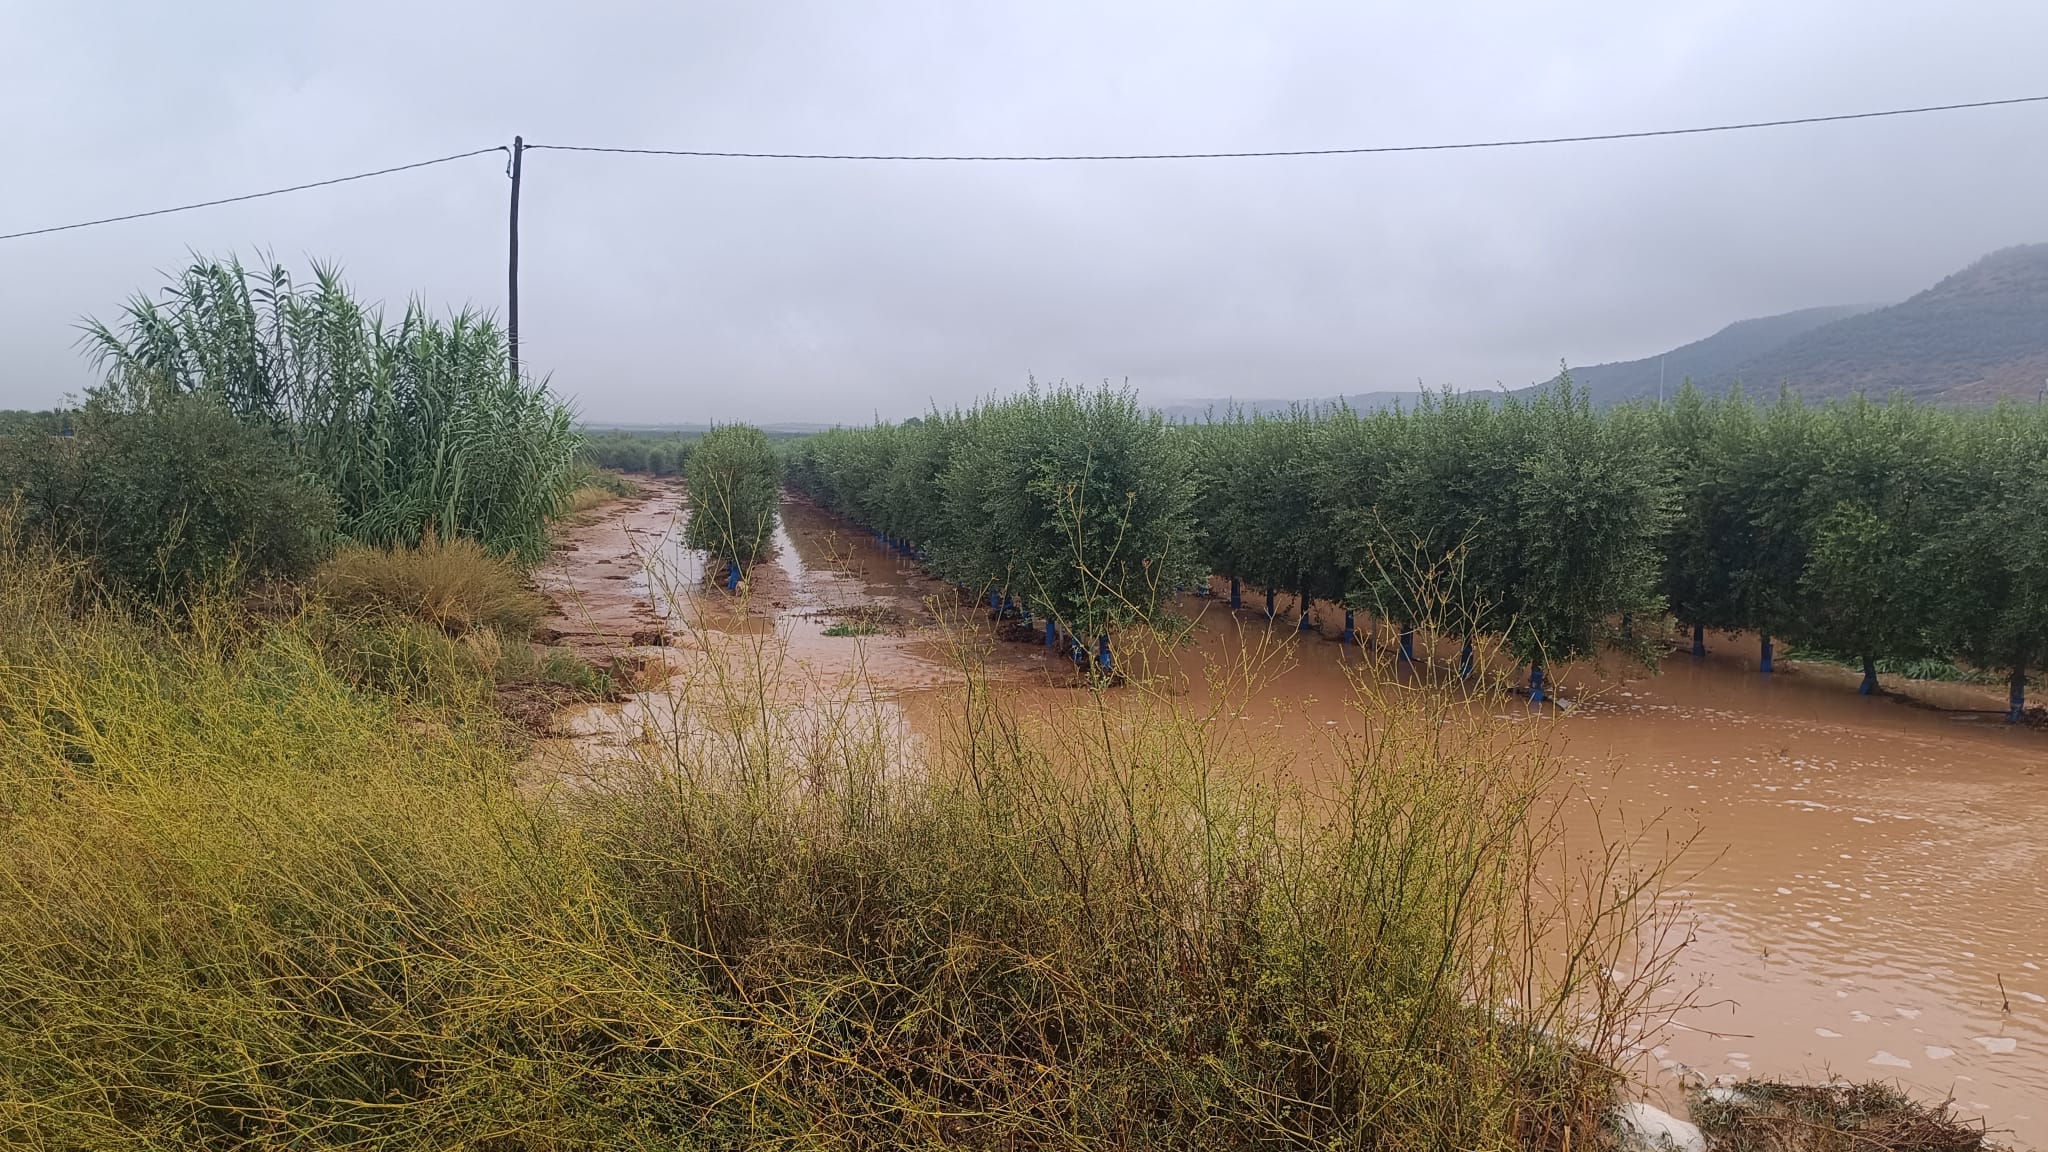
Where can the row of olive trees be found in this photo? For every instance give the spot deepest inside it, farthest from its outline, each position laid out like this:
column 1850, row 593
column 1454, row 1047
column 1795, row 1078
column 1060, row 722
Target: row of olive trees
column 1881, row 532
column 1874, row 531
column 1537, row 521
column 413, row 427
column 1072, row 506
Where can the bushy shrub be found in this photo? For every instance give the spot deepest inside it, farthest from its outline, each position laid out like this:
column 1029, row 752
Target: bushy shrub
column 171, row 495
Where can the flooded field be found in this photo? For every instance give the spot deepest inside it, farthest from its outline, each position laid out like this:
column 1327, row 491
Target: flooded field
column 1867, row 877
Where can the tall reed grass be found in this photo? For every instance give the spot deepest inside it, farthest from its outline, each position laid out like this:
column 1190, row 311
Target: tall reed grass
column 246, row 904
column 414, row 427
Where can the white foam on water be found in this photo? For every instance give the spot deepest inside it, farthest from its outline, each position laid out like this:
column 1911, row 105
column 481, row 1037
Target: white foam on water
column 2035, row 997
column 1997, row 1045
column 1859, row 1016
column 1908, row 1013
column 1784, row 891
column 1884, row 1059
column 1827, row 1033
column 1937, row 1052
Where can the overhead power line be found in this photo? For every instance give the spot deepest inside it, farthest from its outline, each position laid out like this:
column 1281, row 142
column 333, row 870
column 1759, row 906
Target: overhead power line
column 1373, row 150
column 252, row 195
column 1466, row 145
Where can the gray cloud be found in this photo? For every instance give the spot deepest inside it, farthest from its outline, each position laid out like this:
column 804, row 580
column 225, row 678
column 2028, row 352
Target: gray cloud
column 673, row 289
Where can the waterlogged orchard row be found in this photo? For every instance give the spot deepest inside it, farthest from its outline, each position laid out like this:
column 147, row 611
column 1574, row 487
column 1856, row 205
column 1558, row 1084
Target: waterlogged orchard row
column 1877, row 532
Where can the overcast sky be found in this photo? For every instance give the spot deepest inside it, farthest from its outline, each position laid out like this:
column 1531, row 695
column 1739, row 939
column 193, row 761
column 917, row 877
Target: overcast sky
column 665, row 289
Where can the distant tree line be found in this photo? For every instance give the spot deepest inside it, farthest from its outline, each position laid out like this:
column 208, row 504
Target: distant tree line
column 1876, row 531
column 654, row 453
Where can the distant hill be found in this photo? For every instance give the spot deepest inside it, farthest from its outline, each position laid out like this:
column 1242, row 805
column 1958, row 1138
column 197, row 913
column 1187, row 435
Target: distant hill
column 1712, row 362
column 1979, row 335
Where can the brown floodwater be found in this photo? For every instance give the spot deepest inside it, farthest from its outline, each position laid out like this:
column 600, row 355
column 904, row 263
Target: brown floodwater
column 1867, row 878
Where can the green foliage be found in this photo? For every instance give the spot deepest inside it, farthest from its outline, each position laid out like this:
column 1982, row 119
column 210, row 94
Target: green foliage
column 734, row 478
column 1892, row 531
column 414, row 427
column 1989, row 546
column 1074, row 502
column 169, row 496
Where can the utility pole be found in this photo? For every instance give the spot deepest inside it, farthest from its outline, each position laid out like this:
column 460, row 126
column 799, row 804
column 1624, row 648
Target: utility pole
column 512, row 269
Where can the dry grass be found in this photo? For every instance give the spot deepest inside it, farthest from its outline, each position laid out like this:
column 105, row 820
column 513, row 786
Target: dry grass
column 453, row 585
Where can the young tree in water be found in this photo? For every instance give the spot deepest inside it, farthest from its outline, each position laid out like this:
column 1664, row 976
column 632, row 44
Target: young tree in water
column 1989, row 554
column 1876, row 503
column 1592, row 497
column 1769, row 477
column 1290, row 542
column 1710, row 535
column 1426, row 503
column 1224, row 511
column 733, row 480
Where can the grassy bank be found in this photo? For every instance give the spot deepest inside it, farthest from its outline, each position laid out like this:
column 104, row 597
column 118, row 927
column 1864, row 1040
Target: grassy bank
column 250, row 897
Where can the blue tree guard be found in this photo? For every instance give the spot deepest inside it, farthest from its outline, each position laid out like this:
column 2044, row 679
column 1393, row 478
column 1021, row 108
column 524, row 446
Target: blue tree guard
column 1465, row 660
column 1236, row 593
column 1079, row 651
column 1102, row 659
column 1009, row 606
column 1764, row 664
column 732, row 576
column 1052, row 633
column 1350, row 628
column 995, row 602
column 1628, row 626
column 1269, row 603
column 1699, row 641
column 1305, row 605
column 1869, row 685
column 2019, row 697
column 1536, row 695
column 1408, row 645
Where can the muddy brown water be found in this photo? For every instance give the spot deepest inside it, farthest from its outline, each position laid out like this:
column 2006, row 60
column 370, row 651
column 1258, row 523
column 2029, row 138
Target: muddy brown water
column 1868, row 883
